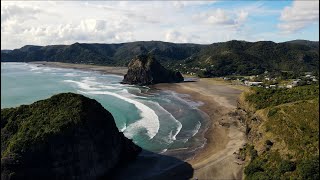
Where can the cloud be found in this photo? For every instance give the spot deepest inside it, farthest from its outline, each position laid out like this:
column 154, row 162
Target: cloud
column 299, row 15
column 66, row 22
column 222, row 17
column 184, row 4
column 19, row 13
column 178, row 37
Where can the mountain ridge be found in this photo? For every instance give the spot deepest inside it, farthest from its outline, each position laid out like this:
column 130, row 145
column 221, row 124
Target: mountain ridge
column 216, row 59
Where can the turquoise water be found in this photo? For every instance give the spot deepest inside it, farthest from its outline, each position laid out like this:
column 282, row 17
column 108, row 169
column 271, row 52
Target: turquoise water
column 159, row 121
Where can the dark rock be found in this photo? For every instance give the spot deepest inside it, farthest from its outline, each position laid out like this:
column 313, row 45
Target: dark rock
column 145, row 70
column 67, row 136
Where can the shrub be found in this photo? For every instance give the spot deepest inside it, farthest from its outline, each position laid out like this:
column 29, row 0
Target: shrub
column 309, row 168
column 253, row 167
column 286, row 166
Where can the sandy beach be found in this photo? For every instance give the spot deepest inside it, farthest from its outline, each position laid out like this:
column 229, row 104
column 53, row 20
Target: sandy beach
column 225, row 134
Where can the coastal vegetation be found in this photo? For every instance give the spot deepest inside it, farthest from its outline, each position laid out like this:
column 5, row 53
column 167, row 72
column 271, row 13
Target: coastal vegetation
column 217, row 59
column 67, row 135
column 283, row 133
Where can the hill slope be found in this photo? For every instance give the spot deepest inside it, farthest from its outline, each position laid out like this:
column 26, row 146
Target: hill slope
column 283, row 133
column 217, row 59
column 67, row 135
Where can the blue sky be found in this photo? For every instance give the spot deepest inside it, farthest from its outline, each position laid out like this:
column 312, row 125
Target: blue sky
column 203, row 22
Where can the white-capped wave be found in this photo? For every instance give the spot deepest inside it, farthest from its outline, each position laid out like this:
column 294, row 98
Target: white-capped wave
column 149, row 119
column 173, row 133
column 89, row 83
column 163, row 151
column 124, row 128
column 82, row 85
column 70, row 75
column 196, row 129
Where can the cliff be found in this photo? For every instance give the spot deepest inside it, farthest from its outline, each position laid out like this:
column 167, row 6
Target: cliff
column 67, row 136
column 145, row 70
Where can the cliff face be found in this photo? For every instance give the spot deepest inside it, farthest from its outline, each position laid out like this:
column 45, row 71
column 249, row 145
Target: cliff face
column 67, row 136
column 145, row 70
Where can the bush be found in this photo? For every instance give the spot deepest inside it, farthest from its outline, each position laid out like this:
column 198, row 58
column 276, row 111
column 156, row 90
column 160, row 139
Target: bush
column 286, row 166
column 254, row 167
column 309, row 168
column 272, row 112
column 253, row 153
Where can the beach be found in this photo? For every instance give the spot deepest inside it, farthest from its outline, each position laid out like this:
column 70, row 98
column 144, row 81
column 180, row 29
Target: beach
column 225, row 134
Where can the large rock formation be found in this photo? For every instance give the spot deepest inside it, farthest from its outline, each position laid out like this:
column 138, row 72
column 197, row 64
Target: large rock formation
column 145, row 70
column 67, row 136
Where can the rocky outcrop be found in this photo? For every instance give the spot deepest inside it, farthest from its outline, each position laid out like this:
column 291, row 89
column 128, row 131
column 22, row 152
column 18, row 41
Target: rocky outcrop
column 67, row 136
column 145, row 70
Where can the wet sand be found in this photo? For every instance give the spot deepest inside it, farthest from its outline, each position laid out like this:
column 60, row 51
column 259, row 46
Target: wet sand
column 225, row 134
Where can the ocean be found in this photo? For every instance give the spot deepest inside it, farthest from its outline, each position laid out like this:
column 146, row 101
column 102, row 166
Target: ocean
column 159, row 121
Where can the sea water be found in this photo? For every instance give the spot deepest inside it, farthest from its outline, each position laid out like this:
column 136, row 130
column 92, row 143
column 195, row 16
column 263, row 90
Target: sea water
column 157, row 120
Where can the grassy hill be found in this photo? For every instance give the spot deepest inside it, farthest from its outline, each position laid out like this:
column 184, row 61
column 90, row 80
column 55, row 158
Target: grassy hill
column 283, row 133
column 217, row 59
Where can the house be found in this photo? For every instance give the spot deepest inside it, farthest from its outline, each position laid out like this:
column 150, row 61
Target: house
column 249, row 83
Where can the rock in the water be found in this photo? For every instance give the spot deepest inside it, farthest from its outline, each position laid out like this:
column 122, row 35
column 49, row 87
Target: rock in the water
column 145, row 70
column 67, row 136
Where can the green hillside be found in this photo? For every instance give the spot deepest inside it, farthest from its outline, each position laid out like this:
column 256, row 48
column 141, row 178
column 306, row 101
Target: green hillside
column 283, row 133
column 217, row 59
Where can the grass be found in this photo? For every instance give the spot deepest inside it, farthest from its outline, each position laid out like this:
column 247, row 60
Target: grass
column 289, row 133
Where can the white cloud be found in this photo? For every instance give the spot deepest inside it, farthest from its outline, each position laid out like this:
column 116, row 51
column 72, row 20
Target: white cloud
column 18, row 12
column 222, row 17
column 175, row 36
column 299, row 15
column 66, row 22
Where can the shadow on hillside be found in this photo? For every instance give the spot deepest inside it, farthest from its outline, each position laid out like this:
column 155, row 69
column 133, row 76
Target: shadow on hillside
column 149, row 165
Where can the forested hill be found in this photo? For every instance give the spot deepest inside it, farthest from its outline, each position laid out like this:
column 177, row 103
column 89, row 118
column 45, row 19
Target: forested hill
column 217, row 59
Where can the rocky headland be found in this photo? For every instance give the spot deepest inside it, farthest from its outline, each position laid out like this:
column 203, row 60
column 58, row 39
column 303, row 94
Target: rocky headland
column 67, row 136
column 146, row 70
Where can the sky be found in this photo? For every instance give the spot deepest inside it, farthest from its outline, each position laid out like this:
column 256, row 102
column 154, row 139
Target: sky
column 201, row 22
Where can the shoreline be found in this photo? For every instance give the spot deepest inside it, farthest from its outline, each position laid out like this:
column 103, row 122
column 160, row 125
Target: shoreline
column 224, row 133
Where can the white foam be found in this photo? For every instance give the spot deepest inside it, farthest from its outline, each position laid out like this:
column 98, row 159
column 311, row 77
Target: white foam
column 107, row 87
column 70, row 75
column 149, row 120
column 82, row 85
column 178, row 123
column 196, row 130
column 124, row 128
column 163, row 151
column 193, row 132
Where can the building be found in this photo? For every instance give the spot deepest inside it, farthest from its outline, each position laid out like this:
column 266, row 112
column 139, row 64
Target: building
column 249, row 83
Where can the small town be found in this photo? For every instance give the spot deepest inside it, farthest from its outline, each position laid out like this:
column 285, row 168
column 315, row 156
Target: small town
column 267, row 80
